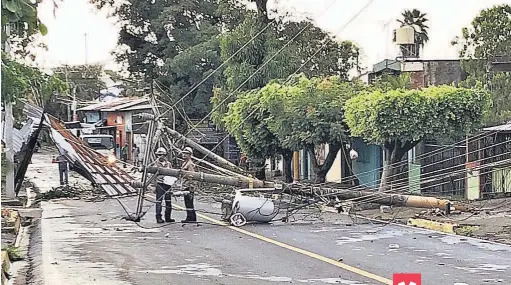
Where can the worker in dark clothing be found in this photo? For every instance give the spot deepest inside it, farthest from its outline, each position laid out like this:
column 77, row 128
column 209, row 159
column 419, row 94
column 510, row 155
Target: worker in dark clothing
column 162, row 189
column 188, row 185
column 124, row 154
column 63, row 168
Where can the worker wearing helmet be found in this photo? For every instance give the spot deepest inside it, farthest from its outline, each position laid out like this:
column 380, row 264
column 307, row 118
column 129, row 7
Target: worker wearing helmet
column 162, row 189
column 189, row 185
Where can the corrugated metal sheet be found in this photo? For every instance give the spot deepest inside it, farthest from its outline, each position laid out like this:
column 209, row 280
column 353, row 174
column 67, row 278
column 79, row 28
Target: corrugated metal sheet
column 19, row 136
column 119, row 104
column 501, row 128
column 112, row 179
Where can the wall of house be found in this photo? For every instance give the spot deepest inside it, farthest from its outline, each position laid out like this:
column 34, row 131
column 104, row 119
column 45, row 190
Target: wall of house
column 335, row 172
column 367, row 166
column 117, row 120
column 432, row 73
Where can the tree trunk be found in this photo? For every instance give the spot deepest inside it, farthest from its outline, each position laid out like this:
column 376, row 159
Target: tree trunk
column 321, row 170
column 9, row 154
column 258, row 165
column 287, row 159
column 262, row 9
column 394, row 153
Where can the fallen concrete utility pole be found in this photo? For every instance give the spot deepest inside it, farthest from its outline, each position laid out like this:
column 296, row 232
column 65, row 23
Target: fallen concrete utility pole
column 343, row 194
column 379, row 198
column 220, row 160
column 243, row 182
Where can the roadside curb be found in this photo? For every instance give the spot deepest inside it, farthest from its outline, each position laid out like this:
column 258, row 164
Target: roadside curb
column 432, row 225
column 428, row 230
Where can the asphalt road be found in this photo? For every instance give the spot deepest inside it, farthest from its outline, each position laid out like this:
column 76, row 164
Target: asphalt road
column 90, row 243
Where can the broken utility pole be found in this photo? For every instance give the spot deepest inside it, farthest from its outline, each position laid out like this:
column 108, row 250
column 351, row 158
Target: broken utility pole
column 220, row 160
column 343, row 194
column 212, row 178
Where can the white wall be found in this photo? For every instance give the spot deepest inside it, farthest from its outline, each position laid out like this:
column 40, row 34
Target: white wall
column 334, row 174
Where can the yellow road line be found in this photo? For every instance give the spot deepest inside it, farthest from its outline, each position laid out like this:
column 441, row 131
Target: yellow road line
column 299, row 250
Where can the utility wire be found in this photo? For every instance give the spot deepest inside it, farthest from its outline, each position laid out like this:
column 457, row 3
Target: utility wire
column 264, row 64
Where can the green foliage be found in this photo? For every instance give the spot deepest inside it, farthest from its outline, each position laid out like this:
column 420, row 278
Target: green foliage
column 417, row 21
column 13, row 252
column 292, row 115
column 176, row 43
column 408, row 116
column 22, row 82
column 487, row 39
column 309, row 112
column 335, row 58
column 489, row 35
column 388, row 82
column 83, row 79
column 20, row 21
column 246, row 121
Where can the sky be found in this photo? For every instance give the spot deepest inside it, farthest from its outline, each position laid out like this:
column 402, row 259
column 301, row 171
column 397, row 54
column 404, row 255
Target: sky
column 371, row 30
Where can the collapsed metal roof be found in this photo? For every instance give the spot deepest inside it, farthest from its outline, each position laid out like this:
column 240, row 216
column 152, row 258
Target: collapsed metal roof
column 89, row 163
column 119, row 104
column 19, row 136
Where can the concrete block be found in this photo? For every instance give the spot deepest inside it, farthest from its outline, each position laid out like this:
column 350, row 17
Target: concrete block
column 432, row 225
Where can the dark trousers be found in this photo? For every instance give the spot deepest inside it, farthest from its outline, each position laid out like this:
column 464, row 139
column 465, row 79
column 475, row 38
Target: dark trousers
column 63, row 173
column 163, row 193
column 190, row 209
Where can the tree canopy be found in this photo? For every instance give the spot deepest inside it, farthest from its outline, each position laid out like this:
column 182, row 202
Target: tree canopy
column 486, row 40
column 283, row 48
column 20, row 20
column 399, row 119
column 175, row 43
column 418, row 21
column 301, row 113
column 21, row 82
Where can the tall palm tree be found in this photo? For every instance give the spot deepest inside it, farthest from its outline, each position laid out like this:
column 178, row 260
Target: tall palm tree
column 417, row 21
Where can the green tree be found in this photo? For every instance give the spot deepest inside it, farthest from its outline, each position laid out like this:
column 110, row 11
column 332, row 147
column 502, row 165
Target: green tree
column 84, row 80
column 306, row 113
column 20, row 24
column 399, row 119
column 176, row 43
column 486, row 40
column 391, row 82
column 21, row 82
column 417, row 20
column 322, row 55
column 261, row 49
column 246, row 121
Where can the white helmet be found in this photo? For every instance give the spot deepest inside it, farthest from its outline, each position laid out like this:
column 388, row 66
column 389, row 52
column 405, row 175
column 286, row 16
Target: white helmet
column 188, row 150
column 161, row 151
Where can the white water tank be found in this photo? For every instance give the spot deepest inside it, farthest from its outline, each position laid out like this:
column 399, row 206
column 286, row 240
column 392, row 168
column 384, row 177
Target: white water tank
column 405, row 36
column 257, row 209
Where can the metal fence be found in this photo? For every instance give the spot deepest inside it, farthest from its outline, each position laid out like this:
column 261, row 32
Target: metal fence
column 442, row 170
